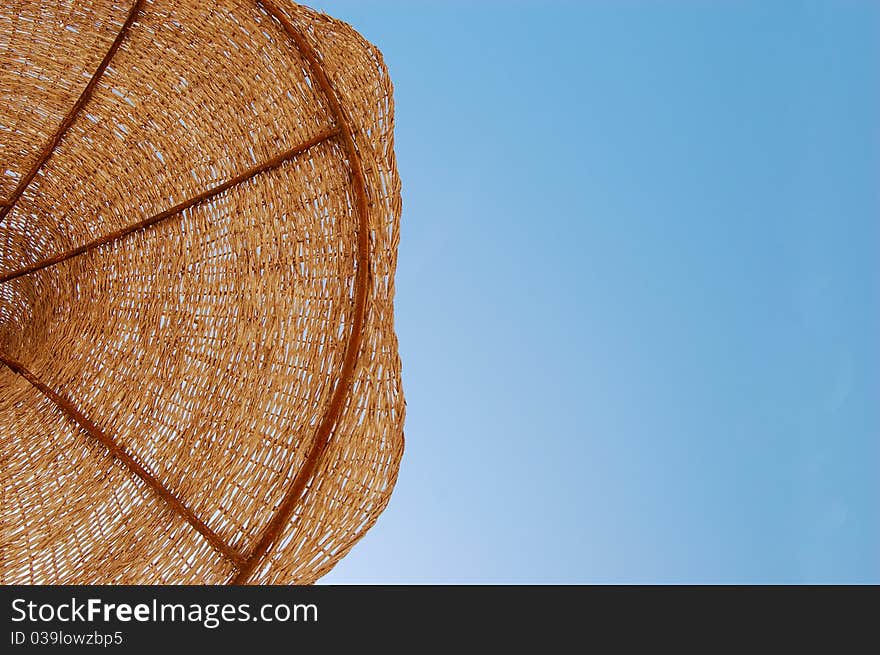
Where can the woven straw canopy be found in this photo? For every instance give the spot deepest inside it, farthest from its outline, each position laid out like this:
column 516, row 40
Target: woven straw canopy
column 198, row 234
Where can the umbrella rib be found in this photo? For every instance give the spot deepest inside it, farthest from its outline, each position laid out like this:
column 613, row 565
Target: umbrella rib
column 116, row 450
column 270, row 164
column 297, row 489
column 7, row 204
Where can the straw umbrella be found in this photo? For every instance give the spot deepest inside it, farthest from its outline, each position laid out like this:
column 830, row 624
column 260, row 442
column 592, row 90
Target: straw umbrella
column 198, row 234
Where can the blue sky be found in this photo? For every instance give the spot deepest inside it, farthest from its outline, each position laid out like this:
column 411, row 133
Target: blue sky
column 638, row 292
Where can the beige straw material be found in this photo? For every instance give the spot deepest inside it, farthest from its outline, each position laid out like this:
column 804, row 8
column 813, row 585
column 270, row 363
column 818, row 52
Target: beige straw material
column 199, row 377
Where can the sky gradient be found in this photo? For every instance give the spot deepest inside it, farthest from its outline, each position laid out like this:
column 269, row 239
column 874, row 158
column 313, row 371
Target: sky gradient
column 638, row 294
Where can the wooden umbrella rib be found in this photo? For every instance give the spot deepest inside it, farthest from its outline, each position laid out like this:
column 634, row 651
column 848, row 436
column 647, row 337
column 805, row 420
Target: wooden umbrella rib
column 7, row 204
column 275, row 162
column 116, row 450
column 352, row 349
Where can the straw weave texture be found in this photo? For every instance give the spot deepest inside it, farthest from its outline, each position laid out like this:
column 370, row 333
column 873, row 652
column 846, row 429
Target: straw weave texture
column 199, row 378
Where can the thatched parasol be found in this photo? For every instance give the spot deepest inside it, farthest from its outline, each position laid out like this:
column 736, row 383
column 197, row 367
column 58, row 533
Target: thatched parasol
column 198, row 235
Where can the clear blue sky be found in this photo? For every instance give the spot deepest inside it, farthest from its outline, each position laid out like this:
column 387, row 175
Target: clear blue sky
column 638, row 292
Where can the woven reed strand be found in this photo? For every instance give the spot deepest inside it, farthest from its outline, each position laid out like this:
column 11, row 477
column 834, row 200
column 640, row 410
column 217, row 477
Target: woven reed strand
column 200, row 395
